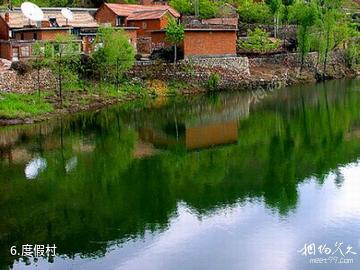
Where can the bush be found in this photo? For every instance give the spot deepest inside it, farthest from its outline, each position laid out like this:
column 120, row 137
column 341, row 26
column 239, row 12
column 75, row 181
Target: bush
column 352, row 55
column 213, row 81
column 250, row 12
column 258, row 42
column 20, row 67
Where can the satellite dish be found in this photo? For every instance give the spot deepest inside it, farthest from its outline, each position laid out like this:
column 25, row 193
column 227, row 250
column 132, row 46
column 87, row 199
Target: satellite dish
column 32, row 11
column 67, row 13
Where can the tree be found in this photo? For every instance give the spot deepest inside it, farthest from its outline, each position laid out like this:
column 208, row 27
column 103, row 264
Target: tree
column 257, row 12
column 174, row 34
column 277, row 9
column 205, row 8
column 64, row 60
column 114, row 54
column 332, row 29
column 305, row 15
column 41, row 52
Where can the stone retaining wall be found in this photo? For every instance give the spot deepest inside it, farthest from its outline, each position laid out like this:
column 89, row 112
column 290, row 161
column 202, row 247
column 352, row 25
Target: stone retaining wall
column 11, row 81
column 232, row 70
column 335, row 67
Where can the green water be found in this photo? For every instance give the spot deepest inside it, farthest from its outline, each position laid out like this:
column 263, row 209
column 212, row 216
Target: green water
column 221, row 181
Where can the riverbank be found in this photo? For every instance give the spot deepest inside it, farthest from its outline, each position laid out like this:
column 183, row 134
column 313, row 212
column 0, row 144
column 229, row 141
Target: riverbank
column 28, row 108
column 149, row 80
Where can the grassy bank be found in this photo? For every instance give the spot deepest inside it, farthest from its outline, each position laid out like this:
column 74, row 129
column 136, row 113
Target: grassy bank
column 13, row 105
column 17, row 108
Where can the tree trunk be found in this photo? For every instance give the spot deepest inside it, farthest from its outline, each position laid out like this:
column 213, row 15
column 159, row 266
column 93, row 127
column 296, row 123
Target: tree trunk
column 38, row 80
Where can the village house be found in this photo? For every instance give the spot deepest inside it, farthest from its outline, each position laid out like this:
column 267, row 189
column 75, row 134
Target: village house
column 215, row 37
column 146, row 17
column 18, row 34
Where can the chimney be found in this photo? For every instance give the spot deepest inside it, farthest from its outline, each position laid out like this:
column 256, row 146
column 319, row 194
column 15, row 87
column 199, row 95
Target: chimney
column 7, row 17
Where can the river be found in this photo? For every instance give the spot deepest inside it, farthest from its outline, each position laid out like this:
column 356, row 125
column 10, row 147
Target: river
column 231, row 180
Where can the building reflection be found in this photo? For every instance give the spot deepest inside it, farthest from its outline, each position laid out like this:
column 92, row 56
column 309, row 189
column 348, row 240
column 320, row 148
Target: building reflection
column 201, row 125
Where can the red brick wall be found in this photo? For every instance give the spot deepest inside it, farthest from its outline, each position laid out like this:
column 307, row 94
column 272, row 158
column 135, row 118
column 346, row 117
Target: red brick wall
column 4, row 29
column 146, row 26
column 5, row 51
column 132, row 33
column 198, row 43
column 42, row 35
column 105, row 15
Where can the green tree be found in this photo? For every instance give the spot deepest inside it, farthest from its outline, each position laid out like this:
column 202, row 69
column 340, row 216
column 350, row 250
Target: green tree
column 205, row 8
column 64, row 60
column 115, row 54
column 332, row 29
column 277, row 9
column 175, row 34
column 250, row 12
column 305, row 15
column 41, row 52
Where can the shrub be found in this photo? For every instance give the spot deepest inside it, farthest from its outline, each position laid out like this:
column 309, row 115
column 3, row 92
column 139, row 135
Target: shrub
column 250, row 12
column 20, row 67
column 352, row 55
column 258, row 42
column 213, row 81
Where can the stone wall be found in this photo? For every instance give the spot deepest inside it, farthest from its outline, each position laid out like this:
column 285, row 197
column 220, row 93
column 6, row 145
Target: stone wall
column 11, row 81
column 285, row 32
column 234, row 72
column 335, row 67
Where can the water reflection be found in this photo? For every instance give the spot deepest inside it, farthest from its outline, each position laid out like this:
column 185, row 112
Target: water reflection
column 152, row 174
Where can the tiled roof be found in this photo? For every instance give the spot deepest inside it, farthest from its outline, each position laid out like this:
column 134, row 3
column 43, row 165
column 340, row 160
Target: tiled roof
column 146, row 15
column 81, row 18
column 127, row 9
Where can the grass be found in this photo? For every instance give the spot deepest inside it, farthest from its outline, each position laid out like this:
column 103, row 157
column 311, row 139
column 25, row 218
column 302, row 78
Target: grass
column 80, row 95
column 14, row 105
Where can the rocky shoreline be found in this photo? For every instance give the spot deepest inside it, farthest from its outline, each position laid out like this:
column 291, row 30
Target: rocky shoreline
column 256, row 74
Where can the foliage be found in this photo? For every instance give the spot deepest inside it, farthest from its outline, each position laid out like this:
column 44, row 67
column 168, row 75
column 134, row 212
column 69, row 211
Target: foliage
column 14, row 105
column 114, row 56
column 213, row 81
column 174, row 34
column 258, row 41
column 254, row 12
column 277, row 9
column 207, row 8
column 63, row 56
column 352, row 55
column 41, row 53
column 305, row 15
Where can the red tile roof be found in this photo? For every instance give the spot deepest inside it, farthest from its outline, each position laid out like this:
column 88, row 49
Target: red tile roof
column 152, row 12
column 146, row 15
column 81, row 18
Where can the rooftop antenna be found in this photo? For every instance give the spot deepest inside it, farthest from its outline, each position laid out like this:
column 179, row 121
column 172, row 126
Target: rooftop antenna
column 67, row 13
column 32, row 12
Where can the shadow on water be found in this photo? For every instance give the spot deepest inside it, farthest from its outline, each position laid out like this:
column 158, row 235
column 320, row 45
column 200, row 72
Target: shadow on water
column 112, row 175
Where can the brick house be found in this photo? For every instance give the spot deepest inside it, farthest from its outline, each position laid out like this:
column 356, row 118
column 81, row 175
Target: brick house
column 145, row 17
column 206, row 38
column 17, row 34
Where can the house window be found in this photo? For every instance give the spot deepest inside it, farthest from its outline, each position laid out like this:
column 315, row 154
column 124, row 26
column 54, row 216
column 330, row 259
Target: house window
column 35, row 36
column 120, row 21
column 76, row 31
column 53, row 22
column 22, row 36
column 144, row 25
column 25, row 51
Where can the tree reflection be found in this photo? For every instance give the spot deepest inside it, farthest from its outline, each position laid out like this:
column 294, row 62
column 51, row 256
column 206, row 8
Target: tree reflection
column 94, row 188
